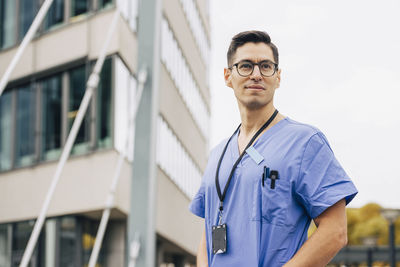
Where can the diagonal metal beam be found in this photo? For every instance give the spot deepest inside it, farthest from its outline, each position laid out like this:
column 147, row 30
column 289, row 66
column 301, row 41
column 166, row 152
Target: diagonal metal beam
column 111, row 195
column 92, row 83
column 27, row 39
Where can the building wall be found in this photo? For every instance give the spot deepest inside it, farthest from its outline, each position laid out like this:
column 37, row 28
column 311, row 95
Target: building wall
column 86, row 178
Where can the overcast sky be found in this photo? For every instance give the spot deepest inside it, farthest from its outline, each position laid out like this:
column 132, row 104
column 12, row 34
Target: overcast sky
column 340, row 64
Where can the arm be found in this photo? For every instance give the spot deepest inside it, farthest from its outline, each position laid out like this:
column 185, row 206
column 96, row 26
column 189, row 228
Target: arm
column 202, row 260
column 327, row 240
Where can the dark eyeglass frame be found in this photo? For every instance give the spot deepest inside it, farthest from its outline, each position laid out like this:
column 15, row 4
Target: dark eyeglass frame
column 254, row 64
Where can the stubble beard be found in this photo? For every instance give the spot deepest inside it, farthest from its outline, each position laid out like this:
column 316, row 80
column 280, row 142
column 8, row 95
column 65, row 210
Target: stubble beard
column 254, row 104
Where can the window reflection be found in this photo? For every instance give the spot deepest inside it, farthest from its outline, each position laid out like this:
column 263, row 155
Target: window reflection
column 5, row 131
column 76, row 91
column 21, row 233
column 51, row 117
column 5, row 245
column 25, row 132
column 55, row 14
column 32, row 131
column 26, row 14
column 7, row 23
column 68, row 242
column 105, row 3
column 104, row 106
column 64, row 242
column 89, row 231
column 79, row 7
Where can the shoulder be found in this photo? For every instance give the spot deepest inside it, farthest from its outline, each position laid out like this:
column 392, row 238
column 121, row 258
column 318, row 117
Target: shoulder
column 299, row 130
column 304, row 134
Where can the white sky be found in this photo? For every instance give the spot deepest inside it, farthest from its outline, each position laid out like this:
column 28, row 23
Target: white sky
column 340, row 64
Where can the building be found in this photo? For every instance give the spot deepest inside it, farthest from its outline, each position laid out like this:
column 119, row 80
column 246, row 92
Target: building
column 40, row 103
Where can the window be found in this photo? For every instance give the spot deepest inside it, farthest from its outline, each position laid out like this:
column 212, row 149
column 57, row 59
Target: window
column 7, row 23
column 35, row 117
column 105, row 3
column 26, row 14
column 175, row 161
column 129, row 9
column 5, row 131
column 197, row 28
column 5, row 245
column 25, row 131
column 68, row 242
column 175, row 63
column 89, row 231
column 125, row 92
column 64, row 242
column 104, row 106
column 77, row 79
column 55, row 14
column 21, row 233
column 51, row 117
column 79, row 7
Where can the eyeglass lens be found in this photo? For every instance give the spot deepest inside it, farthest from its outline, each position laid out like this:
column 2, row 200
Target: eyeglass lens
column 245, row 68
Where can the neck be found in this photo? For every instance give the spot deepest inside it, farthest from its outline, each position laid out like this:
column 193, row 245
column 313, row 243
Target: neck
column 252, row 120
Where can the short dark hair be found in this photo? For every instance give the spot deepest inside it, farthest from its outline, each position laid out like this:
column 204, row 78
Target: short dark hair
column 250, row 37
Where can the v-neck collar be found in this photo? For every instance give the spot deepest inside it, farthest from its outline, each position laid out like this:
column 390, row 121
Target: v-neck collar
column 234, row 146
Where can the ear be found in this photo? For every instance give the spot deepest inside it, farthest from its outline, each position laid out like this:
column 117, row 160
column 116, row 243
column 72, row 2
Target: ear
column 278, row 78
column 228, row 77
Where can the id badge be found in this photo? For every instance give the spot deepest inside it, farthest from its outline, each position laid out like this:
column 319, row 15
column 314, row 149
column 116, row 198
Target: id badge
column 219, row 238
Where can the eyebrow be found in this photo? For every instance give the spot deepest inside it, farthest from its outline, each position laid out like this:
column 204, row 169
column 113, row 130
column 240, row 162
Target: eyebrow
column 246, row 59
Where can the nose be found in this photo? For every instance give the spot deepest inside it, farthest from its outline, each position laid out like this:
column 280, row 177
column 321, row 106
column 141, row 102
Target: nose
column 256, row 74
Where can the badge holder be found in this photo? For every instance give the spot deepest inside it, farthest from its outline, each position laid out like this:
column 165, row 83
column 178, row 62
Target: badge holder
column 219, row 238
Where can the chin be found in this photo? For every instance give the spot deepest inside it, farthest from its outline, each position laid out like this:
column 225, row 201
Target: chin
column 253, row 105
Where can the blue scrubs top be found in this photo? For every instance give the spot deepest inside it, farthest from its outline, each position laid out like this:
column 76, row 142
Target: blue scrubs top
column 266, row 227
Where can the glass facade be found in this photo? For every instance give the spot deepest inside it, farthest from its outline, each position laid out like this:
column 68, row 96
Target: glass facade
column 104, row 97
column 105, row 3
column 51, row 117
column 16, row 16
column 197, row 28
column 77, row 78
column 27, row 12
column 7, row 23
column 79, row 7
column 5, row 245
column 21, row 232
column 174, row 160
column 68, row 242
column 33, row 127
column 55, row 14
column 5, row 131
column 65, row 241
column 125, row 97
column 25, row 130
column 89, row 231
column 178, row 68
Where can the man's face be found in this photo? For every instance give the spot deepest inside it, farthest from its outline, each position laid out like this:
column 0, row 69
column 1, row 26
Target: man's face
column 254, row 91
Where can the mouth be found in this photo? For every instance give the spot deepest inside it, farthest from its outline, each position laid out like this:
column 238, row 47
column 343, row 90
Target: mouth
column 255, row 87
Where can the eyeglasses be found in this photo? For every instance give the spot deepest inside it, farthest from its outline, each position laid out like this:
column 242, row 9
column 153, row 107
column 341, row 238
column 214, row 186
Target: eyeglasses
column 246, row 67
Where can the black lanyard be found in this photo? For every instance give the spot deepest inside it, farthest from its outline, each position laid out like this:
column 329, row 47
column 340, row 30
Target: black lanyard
column 222, row 196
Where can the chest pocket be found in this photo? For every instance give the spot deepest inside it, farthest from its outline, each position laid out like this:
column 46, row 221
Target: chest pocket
column 271, row 205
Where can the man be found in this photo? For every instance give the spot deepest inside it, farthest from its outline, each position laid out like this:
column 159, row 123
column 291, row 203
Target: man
column 263, row 186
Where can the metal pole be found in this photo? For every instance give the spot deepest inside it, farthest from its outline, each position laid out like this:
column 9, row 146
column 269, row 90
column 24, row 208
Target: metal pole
column 392, row 244
column 111, row 196
column 369, row 257
column 91, row 85
column 28, row 37
column 141, row 220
